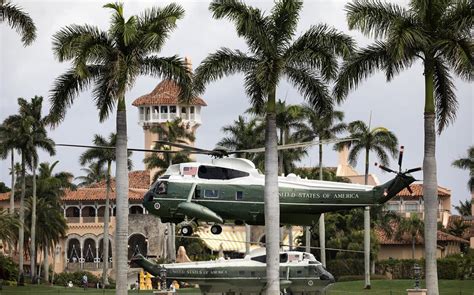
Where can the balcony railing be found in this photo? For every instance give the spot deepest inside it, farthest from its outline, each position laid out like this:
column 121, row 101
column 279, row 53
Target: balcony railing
column 73, row 219
column 88, row 219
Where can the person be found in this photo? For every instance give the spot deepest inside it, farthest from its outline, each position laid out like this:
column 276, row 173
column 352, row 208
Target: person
column 69, row 284
column 84, row 281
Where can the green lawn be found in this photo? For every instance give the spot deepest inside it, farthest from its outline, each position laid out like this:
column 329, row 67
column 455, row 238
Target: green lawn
column 396, row 287
column 379, row 287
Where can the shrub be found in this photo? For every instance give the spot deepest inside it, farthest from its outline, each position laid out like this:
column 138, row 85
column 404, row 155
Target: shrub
column 360, row 278
column 75, row 277
column 8, row 268
column 345, row 267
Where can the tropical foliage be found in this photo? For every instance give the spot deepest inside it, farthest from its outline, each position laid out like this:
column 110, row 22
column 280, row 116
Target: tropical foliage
column 94, row 174
column 18, row 20
column 412, row 227
column 437, row 33
column 110, row 62
column 467, row 164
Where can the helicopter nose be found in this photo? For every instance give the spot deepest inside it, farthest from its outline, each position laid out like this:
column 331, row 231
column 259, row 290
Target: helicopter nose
column 328, row 277
column 148, row 198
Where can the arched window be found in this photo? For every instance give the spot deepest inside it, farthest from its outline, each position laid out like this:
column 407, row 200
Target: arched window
column 101, row 214
column 73, row 250
column 101, row 250
column 89, row 250
column 88, row 214
column 137, row 244
column 72, row 214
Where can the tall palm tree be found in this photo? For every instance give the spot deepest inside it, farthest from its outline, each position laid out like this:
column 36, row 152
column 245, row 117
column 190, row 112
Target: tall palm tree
column 467, row 164
column 174, row 131
column 7, row 145
column 30, row 134
column 307, row 63
column 321, row 126
column 439, row 34
column 379, row 140
column 101, row 157
column 18, row 20
column 111, row 61
column 94, row 173
column 412, row 226
column 37, row 139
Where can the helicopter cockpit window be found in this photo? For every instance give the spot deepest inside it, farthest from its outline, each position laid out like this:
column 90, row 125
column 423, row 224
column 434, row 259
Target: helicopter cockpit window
column 212, row 172
column 161, row 188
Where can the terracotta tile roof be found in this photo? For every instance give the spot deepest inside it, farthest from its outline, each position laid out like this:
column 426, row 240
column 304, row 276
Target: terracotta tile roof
column 139, row 182
column 165, row 93
column 139, row 179
column 417, row 189
column 441, row 237
column 5, row 196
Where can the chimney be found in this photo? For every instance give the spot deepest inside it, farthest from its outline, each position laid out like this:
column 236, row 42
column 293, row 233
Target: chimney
column 189, row 64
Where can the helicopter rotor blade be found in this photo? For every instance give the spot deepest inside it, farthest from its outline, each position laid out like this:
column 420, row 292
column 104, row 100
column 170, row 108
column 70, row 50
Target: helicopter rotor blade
column 113, row 148
column 400, row 158
column 410, row 190
column 414, row 170
column 295, row 145
column 183, row 146
column 385, row 168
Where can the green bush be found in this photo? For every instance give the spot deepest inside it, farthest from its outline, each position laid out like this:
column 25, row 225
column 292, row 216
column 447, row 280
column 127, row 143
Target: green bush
column 399, row 268
column 8, row 269
column 9, row 283
column 75, row 277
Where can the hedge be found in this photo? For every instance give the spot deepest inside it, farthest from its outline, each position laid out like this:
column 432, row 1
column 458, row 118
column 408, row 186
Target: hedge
column 8, row 269
column 75, row 278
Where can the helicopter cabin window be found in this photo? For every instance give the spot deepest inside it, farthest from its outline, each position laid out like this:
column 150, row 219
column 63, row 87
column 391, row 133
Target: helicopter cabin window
column 161, row 188
column 239, row 196
column 212, row 172
column 211, row 194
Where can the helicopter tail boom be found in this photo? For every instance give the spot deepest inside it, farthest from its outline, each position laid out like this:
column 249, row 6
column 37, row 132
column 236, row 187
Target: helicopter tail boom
column 146, row 264
column 391, row 188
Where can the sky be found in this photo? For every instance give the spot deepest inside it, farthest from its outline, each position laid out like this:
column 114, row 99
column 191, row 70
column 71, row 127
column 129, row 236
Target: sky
column 397, row 105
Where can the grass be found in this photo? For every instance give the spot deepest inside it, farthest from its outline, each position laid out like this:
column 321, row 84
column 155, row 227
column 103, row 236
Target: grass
column 396, row 287
column 379, row 287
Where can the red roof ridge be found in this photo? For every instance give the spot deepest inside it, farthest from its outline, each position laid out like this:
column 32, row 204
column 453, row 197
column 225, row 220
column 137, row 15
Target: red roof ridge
column 165, row 93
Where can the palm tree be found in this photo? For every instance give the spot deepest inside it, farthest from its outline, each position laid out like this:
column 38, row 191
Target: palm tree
column 37, row 139
column 111, row 61
column 307, row 63
column 439, row 34
column 321, row 126
column 101, row 157
column 464, row 208
column 30, row 133
column 379, row 140
column 244, row 134
column 458, row 227
column 7, row 145
column 467, row 164
column 412, row 226
column 18, row 20
column 94, row 174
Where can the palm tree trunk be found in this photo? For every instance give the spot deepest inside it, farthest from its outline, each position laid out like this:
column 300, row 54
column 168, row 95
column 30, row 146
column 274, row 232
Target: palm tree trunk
column 12, row 194
column 247, row 239
column 430, row 184
column 367, row 227
column 271, row 199
column 413, row 247
column 308, row 239
column 105, row 239
column 280, row 154
column 121, row 231
column 46, row 261
column 322, row 225
column 21, row 238
column 33, row 227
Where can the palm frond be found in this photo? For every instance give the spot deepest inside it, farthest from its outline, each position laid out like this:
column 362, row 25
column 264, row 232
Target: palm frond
column 157, row 23
column 172, row 68
column 250, row 23
column 284, row 18
column 66, row 87
column 373, row 17
column 314, row 90
column 223, row 62
column 19, row 21
column 458, row 52
column 445, row 98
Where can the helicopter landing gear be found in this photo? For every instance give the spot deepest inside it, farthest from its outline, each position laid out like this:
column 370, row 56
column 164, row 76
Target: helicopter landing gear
column 216, row 229
column 186, row 230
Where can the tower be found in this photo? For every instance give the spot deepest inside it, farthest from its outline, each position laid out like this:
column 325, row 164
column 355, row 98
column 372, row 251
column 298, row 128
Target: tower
column 162, row 105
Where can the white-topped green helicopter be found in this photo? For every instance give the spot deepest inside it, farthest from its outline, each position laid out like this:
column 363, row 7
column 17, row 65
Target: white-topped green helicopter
column 230, row 190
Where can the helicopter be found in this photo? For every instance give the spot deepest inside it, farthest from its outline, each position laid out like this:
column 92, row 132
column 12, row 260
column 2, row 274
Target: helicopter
column 230, row 190
column 300, row 272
